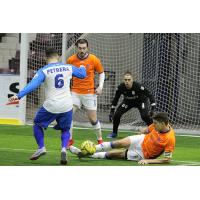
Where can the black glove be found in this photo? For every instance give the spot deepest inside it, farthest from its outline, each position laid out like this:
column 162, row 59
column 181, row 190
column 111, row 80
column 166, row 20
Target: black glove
column 153, row 107
column 111, row 115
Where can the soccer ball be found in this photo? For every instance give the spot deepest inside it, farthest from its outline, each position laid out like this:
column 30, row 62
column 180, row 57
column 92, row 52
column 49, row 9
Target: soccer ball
column 88, row 148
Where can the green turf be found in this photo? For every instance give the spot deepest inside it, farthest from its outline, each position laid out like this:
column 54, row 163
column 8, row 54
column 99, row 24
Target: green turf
column 17, row 144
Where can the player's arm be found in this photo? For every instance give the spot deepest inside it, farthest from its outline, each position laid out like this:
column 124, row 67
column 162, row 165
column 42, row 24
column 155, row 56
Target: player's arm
column 166, row 159
column 147, row 93
column 98, row 67
column 37, row 80
column 101, row 82
column 144, row 131
column 79, row 72
column 118, row 93
column 114, row 102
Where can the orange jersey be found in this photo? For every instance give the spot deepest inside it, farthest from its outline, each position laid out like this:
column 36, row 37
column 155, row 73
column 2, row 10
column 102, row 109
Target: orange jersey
column 155, row 143
column 92, row 64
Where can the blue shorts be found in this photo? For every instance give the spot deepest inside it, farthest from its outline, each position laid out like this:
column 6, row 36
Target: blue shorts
column 43, row 118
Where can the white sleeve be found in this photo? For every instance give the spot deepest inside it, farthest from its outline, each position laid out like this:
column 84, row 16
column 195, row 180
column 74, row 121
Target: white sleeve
column 101, row 79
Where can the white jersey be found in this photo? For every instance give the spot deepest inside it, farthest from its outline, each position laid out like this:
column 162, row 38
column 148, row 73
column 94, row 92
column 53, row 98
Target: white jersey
column 56, row 78
column 57, row 88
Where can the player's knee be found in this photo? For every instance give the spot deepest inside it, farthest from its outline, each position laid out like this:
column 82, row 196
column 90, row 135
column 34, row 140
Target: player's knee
column 146, row 119
column 96, row 125
column 65, row 130
column 37, row 125
column 117, row 116
column 108, row 155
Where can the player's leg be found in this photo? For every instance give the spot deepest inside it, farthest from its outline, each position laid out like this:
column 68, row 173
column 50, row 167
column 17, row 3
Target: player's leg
column 134, row 152
column 42, row 119
column 90, row 103
column 121, row 109
column 71, row 141
column 144, row 112
column 76, row 106
column 92, row 116
column 106, row 146
column 63, row 123
column 120, row 154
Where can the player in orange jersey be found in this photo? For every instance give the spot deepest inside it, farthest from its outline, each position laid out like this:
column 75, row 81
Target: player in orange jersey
column 84, row 92
column 145, row 148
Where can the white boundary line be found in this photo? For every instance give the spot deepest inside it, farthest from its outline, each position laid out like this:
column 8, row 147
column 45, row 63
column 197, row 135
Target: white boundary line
column 182, row 163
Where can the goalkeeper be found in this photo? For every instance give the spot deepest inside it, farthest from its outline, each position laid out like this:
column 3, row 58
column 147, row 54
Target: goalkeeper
column 135, row 96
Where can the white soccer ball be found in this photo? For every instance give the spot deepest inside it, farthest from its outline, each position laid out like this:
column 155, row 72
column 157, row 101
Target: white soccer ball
column 88, row 148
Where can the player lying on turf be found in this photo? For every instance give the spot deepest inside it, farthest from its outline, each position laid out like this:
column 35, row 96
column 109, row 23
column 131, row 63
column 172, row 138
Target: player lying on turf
column 57, row 105
column 145, row 148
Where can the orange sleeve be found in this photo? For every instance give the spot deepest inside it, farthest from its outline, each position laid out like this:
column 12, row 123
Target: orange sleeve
column 150, row 127
column 68, row 61
column 170, row 146
column 98, row 66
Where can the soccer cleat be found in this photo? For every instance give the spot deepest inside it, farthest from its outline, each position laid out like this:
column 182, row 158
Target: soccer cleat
column 100, row 141
column 77, row 152
column 38, row 153
column 63, row 160
column 112, row 135
column 81, row 155
column 74, row 150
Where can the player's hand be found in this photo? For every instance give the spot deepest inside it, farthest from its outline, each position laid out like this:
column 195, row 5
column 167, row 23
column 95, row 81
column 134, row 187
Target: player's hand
column 111, row 115
column 98, row 91
column 151, row 113
column 13, row 98
column 143, row 162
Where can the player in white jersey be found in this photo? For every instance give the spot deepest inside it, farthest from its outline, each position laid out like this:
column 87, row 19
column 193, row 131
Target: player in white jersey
column 57, row 105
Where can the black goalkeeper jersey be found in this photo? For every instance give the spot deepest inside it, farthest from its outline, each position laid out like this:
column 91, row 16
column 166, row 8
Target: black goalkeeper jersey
column 138, row 93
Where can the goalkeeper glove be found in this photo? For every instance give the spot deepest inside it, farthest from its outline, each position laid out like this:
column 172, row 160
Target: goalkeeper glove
column 153, row 107
column 112, row 112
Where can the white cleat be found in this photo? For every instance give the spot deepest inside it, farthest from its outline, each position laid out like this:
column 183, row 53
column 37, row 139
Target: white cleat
column 74, row 150
column 38, row 153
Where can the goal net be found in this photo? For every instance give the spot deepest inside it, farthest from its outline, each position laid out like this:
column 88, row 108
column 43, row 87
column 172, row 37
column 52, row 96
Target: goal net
column 167, row 64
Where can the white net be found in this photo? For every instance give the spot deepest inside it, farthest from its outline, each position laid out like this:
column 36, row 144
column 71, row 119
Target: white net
column 167, row 64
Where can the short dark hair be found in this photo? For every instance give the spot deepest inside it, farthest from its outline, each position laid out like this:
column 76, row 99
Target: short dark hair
column 161, row 117
column 128, row 72
column 81, row 41
column 50, row 52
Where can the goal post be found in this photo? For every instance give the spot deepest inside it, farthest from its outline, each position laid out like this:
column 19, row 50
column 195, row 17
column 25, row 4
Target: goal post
column 23, row 74
column 166, row 63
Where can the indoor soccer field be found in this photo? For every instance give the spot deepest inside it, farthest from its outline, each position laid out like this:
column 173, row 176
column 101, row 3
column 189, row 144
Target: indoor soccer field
column 17, row 144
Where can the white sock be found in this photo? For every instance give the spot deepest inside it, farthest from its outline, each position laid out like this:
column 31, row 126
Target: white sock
column 99, row 155
column 97, row 130
column 98, row 134
column 63, row 149
column 105, row 146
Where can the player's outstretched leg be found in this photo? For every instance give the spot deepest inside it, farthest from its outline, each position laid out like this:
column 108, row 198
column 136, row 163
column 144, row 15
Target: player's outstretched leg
column 39, row 137
column 110, row 155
